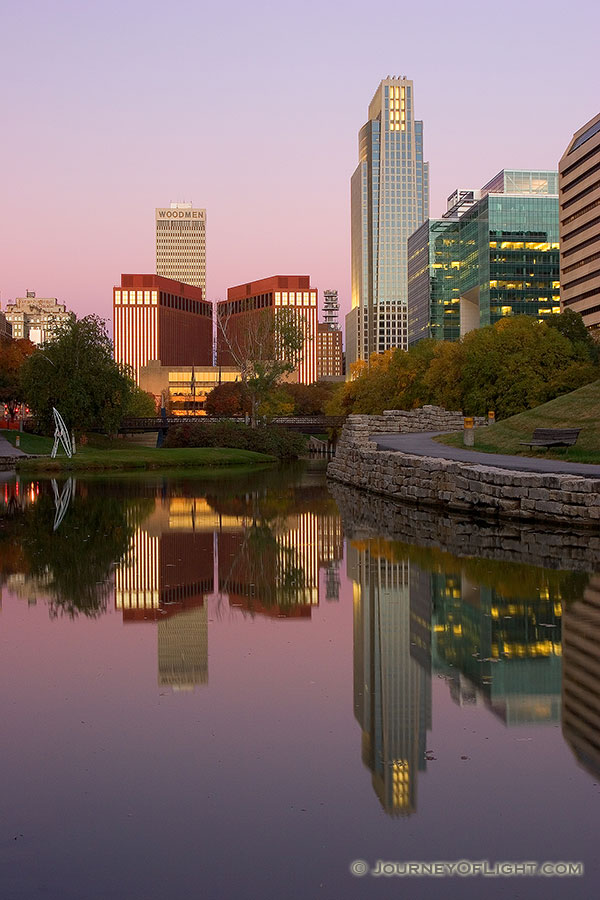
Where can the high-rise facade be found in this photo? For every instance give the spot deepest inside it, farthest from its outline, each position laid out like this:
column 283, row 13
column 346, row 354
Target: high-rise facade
column 157, row 318
column 493, row 254
column 579, row 198
column 181, row 244
column 239, row 320
column 389, row 200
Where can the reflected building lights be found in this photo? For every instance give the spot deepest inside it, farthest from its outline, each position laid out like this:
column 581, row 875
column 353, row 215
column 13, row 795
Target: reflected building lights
column 392, row 671
column 501, row 651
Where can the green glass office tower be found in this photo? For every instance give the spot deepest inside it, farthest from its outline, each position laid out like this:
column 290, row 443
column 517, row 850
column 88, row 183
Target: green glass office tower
column 389, row 199
column 493, row 254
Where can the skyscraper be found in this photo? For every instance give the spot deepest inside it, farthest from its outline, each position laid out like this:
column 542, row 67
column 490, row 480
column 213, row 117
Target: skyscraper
column 181, row 244
column 389, row 200
column 494, row 253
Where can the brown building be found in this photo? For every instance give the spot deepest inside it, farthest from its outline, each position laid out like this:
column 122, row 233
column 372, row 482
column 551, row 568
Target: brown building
column 579, row 204
column 246, row 302
column 330, row 360
column 158, row 318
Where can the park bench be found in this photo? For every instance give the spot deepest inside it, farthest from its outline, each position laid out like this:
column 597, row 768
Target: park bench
column 553, row 437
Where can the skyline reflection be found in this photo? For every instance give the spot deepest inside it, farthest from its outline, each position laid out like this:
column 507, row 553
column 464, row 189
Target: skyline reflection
column 177, row 554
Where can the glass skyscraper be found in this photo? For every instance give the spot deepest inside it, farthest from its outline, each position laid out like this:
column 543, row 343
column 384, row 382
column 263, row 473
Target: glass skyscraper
column 493, row 254
column 389, row 200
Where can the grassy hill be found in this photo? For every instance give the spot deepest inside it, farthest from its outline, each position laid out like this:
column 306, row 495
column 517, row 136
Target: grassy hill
column 579, row 409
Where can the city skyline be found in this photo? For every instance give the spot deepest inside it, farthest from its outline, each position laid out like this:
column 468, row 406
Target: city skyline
column 86, row 175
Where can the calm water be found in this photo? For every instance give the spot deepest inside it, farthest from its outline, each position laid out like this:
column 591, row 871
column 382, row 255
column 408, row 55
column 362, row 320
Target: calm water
column 220, row 689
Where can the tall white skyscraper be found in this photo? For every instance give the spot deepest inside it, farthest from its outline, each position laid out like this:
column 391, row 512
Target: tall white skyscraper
column 389, row 200
column 181, row 244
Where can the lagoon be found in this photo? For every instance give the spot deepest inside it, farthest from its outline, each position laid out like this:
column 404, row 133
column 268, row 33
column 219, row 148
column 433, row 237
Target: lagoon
column 239, row 686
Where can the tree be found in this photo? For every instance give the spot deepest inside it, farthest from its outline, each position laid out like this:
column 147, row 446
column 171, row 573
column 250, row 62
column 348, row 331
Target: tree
column 264, row 346
column 571, row 325
column 76, row 373
column 309, row 399
column 229, row 400
column 13, row 354
column 141, row 404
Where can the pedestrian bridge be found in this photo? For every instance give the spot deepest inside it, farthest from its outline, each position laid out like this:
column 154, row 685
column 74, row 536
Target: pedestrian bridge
column 302, row 424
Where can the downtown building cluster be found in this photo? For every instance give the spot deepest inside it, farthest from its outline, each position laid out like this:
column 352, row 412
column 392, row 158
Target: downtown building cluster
column 497, row 251
column 178, row 346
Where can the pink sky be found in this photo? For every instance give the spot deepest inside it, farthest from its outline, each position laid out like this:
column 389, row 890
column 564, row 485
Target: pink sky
column 252, row 111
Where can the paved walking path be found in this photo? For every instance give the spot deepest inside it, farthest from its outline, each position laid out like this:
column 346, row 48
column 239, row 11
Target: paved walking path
column 7, row 449
column 422, row 444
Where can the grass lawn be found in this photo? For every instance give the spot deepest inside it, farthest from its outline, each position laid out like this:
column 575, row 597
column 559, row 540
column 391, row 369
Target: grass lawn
column 579, row 409
column 104, row 453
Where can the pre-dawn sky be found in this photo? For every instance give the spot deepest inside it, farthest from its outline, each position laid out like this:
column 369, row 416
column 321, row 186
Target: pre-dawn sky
column 252, row 110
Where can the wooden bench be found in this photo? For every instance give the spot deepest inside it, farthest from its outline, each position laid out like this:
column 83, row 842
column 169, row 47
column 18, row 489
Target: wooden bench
column 553, row 437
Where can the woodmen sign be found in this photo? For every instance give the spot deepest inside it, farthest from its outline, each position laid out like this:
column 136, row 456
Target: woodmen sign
column 180, row 214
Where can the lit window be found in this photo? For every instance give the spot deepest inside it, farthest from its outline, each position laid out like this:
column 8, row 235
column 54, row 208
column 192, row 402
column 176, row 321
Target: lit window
column 140, row 296
column 117, row 296
column 146, row 297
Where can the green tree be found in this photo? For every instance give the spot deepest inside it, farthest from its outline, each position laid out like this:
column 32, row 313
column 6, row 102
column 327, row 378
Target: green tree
column 570, row 325
column 76, row 373
column 141, row 404
column 268, row 346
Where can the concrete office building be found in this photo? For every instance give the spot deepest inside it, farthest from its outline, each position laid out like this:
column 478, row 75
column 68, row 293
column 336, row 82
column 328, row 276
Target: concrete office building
column 389, row 200
column 239, row 315
column 36, row 318
column 493, row 254
column 157, row 318
column 185, row 388
column 579, row 198
column 181, row 244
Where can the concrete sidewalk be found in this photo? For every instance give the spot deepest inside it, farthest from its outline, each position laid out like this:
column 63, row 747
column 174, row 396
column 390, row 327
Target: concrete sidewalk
column 422, row 444
column 7, row 449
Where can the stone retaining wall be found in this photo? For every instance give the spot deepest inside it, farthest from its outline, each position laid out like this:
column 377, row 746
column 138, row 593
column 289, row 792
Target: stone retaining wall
column 559, row 547
column 452, row 485
column 358, row 429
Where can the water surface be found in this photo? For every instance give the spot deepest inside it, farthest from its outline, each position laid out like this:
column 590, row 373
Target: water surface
column 236, row 687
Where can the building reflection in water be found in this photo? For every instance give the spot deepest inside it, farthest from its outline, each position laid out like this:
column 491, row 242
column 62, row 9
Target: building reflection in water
column 192, row 550
column 500, row 646
column 392, row 670
column 581, row 678
column 492, row 631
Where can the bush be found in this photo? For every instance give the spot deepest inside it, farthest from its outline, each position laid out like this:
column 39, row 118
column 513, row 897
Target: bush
column 272, row 440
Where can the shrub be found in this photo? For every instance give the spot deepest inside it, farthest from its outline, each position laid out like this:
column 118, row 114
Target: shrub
column 272, row 440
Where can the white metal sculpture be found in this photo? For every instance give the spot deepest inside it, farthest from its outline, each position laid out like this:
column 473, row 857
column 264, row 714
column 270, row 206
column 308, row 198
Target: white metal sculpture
column 62, row 499
column 61, row 435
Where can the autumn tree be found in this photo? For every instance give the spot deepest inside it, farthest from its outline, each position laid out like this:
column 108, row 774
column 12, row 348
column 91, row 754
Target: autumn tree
column 229, row 400
column 13, row 354
column 265, row 348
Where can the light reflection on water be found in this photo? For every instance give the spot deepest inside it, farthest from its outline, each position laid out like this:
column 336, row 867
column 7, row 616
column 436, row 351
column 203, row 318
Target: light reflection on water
column 416, row 685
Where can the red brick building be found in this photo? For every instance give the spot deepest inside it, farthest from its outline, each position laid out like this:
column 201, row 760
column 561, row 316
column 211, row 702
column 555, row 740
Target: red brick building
column 246, row 301
column 330, row 358
column 158, row 318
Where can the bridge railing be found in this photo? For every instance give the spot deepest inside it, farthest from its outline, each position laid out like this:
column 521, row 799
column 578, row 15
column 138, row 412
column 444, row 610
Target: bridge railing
column 158, row 423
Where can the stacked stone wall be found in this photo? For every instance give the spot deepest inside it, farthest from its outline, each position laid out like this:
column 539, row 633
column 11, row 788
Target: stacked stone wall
column 430, row 481
column 463, row 535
